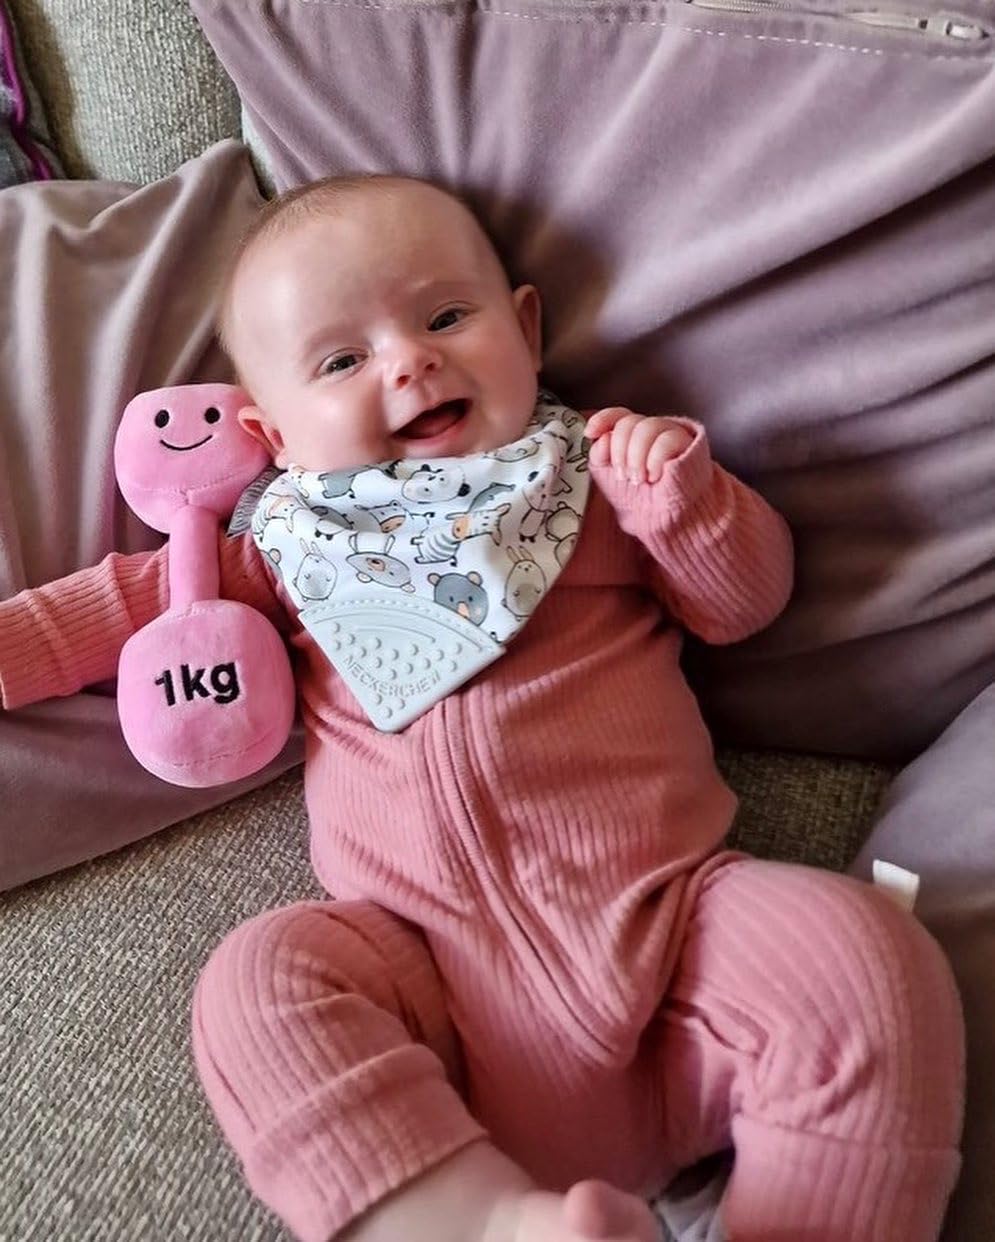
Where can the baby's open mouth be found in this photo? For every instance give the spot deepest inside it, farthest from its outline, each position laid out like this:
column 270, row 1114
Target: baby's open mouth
column 433, row 422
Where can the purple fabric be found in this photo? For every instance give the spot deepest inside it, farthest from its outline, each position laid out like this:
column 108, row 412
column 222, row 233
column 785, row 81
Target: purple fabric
column 939, row 820
column 106, row 290
column 23, row 153
column 781, row 225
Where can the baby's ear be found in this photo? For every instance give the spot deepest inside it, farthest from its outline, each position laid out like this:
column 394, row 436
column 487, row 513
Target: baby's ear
column 254, row 423
column 528, row 307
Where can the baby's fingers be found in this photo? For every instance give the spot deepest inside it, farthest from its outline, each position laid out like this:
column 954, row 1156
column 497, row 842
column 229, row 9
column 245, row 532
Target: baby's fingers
column 602, row 421
column 667, row 445
column 642, row 437
column 620, row 439
column 600, row 454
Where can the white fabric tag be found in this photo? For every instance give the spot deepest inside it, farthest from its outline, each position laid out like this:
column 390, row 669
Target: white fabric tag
column 413, row 575
column 895, row 882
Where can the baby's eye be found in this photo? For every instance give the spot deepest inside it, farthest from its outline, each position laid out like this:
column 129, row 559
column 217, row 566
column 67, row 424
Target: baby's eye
column 446, row 319
column 338, row 364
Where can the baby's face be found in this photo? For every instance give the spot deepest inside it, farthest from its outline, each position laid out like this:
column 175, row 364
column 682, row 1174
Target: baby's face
column 384, row 329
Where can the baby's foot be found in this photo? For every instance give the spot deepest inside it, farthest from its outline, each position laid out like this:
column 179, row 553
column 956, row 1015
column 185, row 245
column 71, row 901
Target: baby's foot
column 589, row 1211
column 479, row 1195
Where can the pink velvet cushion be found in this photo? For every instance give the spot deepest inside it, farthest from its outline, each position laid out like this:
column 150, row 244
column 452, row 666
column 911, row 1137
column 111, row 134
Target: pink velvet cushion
column 781, row 225
column 105, row 290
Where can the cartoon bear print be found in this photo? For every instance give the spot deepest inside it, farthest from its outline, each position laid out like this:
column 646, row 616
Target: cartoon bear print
column 372, row 561
column 462, row 594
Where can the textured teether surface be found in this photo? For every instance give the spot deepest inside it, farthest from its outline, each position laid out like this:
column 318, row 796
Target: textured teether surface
column 398, row 655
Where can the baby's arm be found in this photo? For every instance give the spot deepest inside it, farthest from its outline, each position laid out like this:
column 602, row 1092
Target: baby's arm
column 722, row 557
column 58, row 638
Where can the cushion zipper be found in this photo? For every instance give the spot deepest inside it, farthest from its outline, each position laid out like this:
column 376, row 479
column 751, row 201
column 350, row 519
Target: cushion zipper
column 933, row 25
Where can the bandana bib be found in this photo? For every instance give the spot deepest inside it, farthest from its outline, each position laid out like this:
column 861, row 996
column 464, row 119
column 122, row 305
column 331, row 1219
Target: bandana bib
column 414, row 575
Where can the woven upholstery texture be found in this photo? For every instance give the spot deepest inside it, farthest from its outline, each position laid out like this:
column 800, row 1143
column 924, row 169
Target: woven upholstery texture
column 131, row 89
column 25, row 142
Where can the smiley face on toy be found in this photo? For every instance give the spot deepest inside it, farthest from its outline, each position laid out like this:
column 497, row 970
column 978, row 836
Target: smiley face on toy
column 183, row 446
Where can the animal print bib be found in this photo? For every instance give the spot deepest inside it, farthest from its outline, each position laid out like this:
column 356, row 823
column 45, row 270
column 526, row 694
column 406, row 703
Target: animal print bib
column 414, row 575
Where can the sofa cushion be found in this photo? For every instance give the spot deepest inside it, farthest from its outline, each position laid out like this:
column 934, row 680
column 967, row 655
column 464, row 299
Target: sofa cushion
column 799, row 808
column 780, row 224
column 105, row 290
column 105, row 1132
column 132, row 90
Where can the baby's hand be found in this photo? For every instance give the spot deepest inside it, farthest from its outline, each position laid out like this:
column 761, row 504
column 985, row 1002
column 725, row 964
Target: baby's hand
column 637, row 445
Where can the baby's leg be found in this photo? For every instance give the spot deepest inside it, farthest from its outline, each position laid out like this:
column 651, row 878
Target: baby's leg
column 324, row 1046
column 819, row 1027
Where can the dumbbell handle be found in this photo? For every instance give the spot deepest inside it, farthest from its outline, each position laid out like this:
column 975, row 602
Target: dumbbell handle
column 193, row 556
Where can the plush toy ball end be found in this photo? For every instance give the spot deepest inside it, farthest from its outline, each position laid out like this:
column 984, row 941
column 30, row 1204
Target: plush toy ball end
column 205, row 694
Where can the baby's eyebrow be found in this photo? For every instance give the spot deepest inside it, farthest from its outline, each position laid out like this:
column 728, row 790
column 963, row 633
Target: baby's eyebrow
column 321, row 338
column 445, row 287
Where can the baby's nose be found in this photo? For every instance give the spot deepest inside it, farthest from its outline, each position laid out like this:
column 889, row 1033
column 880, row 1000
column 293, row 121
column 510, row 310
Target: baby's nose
column 412, row 360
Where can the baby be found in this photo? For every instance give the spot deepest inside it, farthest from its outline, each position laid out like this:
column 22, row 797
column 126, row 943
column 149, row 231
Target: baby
column 542, row 987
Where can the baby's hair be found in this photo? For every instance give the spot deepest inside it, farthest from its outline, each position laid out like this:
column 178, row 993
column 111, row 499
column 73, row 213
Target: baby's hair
column 315, row 198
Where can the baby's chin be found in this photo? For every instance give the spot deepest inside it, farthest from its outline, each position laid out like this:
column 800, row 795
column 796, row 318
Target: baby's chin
column 502, row 430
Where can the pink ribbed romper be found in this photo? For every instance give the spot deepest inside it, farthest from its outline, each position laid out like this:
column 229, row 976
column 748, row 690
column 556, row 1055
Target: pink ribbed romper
column 535, row 935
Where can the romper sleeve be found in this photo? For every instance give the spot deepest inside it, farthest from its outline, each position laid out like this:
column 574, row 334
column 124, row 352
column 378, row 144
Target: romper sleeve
column 720, row 557
column 57, row 638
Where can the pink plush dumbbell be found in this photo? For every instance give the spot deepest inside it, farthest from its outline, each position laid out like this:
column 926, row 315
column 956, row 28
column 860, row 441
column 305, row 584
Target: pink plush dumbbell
column 205, row 691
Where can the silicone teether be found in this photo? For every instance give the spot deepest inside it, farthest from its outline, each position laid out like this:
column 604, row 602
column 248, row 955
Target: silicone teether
column 205, row 691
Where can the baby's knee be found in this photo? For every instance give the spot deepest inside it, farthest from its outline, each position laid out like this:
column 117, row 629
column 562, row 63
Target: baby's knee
column 255, row 962
column 877, row 1027
column 305, row 955
column 895, row 983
